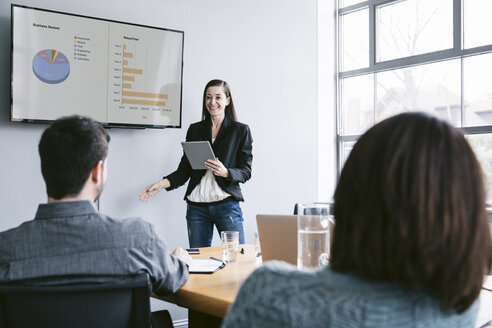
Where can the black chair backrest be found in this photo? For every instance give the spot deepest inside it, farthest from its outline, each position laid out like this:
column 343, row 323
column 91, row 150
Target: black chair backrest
column 124, row 303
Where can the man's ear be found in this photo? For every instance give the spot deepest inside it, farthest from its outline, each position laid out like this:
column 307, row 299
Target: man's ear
column 96, row 173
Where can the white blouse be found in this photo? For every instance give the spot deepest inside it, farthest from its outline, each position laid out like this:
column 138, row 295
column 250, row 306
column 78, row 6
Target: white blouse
column 207, row 190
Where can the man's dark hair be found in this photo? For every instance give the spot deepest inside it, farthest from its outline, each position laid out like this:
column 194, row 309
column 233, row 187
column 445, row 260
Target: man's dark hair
column 410, row 209
column 69, row 150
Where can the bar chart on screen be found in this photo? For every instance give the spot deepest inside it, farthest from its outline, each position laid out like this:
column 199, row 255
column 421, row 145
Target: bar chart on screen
column 139, row 84
column 134, row 76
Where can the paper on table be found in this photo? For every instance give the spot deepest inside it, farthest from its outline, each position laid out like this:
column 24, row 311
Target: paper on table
column 487, row 283
column 205, row 266
column 484, row 315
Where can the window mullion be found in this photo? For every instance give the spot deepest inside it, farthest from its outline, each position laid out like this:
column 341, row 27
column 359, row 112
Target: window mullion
column 372, row 36
column 458, row 46
column 457, row 25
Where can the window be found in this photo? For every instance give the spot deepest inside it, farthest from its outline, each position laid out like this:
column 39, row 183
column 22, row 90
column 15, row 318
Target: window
column 477, row 22
column 416, row 55
column 412, row 27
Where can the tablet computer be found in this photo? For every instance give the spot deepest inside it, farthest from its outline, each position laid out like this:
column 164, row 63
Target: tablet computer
column 197, row 153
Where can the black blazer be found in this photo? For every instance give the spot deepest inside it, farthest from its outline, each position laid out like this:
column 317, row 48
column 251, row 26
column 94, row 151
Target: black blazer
column 233, row 146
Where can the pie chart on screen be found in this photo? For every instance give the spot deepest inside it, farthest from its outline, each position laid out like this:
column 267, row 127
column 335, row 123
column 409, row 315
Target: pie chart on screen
column 51, row 66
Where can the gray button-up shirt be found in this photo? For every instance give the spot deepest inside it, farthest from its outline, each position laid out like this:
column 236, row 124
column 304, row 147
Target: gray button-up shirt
column 74, row 239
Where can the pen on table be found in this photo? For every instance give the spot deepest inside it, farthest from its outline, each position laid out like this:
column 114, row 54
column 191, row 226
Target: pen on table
column 487, row 324
column 215, row 258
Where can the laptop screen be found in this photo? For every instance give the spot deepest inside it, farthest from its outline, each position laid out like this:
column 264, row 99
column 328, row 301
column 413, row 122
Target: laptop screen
column 278, row 237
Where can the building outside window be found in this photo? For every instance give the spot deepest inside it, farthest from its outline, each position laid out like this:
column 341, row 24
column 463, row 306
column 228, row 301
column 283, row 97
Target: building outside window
column 397, row 56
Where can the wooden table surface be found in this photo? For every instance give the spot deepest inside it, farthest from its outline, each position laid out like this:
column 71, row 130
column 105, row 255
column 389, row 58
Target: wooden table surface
column 213, row 293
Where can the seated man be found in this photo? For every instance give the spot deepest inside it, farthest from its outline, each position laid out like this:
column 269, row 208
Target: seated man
column 68, row 236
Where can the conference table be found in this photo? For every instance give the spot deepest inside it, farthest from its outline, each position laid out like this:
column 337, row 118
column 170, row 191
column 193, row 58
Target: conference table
column 208, row 296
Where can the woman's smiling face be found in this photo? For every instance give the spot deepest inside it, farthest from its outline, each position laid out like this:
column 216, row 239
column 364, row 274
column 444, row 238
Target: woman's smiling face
column 216, row 101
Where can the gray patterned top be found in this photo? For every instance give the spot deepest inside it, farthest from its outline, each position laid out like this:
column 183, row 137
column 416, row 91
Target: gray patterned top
column 277, row 295
column 74, row 239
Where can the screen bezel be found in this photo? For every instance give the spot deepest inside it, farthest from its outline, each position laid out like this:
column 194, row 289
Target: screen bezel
column 105, row 124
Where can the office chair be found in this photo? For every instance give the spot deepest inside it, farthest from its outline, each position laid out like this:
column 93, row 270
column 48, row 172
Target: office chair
column 124, row 303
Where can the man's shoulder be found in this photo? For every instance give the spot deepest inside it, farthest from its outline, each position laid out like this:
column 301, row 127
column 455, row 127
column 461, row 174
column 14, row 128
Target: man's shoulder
column 16, row 230
column 134, row 224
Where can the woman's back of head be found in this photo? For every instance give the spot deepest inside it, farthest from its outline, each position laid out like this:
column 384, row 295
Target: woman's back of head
column 410, row 209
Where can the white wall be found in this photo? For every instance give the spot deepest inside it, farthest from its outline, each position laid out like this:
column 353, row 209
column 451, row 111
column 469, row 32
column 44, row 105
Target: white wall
column 266, row 50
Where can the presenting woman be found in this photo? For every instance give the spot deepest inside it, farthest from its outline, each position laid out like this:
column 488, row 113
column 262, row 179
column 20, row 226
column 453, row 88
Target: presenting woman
column 213, row 195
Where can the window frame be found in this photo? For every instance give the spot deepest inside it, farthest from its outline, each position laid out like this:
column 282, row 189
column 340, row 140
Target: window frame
column 374, row 67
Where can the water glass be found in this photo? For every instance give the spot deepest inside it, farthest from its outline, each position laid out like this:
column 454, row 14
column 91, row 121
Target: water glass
column 313, row 239
column 230, row 245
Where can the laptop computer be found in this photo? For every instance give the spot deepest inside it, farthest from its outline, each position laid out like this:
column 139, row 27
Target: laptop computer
column 278, row 237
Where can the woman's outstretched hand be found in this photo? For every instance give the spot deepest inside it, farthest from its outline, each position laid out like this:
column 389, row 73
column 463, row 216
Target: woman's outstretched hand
column 153, row 189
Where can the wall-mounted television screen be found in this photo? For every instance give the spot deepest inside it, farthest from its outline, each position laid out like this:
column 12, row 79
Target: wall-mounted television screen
column 117, row 73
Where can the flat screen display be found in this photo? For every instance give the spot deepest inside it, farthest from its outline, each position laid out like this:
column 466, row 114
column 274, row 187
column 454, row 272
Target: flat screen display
column 117, row 73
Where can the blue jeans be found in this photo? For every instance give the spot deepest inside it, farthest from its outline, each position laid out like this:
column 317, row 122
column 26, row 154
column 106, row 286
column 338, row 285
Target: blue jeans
column 226, row 216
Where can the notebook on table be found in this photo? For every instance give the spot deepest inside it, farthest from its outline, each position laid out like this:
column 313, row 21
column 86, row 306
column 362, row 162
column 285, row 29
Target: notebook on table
column 278, row 237
column 205, row 266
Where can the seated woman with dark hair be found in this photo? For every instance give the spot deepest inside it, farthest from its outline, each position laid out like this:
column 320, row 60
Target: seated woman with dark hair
column 411, row 243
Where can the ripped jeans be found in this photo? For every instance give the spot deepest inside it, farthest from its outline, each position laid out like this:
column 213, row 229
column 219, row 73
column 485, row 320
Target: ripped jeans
column 200, row 220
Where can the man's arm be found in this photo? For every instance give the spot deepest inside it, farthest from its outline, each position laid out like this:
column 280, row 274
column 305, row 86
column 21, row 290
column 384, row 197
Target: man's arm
column 169, row 272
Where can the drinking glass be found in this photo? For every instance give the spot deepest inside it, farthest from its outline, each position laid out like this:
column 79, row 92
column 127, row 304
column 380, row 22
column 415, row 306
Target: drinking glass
column 230, row 244
column 313, row 239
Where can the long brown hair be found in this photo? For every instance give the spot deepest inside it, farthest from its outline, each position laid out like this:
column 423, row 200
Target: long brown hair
column 410, row 209
column 230, row 111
